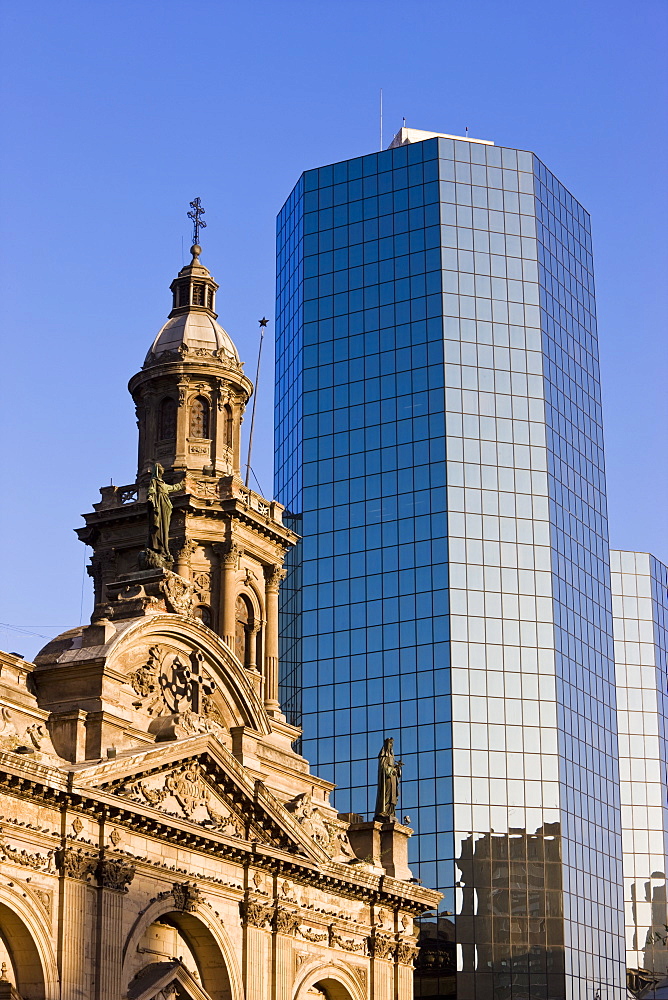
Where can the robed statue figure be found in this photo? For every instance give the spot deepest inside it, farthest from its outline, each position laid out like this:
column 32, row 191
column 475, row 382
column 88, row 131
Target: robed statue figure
column 389, row 776
column 159, row 516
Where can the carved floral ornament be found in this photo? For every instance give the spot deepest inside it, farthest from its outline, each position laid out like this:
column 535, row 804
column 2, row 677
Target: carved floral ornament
column 274, row 576
column 38, row 862
column 382, row 946
column 183, row 792
column 187, row 896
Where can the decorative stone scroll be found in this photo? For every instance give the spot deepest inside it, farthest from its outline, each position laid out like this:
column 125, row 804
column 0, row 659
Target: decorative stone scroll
column 407, row 953
column 382, row 946
column 308, row 817
column 76, row 864
column 187, row 896
column 179, row 594
column 35, row 742
column 256, row 914
column 144, row 680
column 115, row 873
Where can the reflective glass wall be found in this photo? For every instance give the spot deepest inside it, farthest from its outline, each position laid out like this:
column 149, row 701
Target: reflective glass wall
column 439, row 445
column 640, row 604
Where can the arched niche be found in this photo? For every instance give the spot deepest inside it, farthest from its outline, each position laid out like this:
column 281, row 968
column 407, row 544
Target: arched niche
column 199, row 418
column 31, row 961
column 207, row 949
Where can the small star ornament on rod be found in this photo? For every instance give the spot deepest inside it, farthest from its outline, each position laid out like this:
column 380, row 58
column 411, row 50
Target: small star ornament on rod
column 198, row 221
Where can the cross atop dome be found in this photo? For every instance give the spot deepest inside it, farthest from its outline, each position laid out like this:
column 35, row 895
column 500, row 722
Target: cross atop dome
column 198, row 223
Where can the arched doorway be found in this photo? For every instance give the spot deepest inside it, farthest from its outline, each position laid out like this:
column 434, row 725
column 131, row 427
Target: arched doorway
column 327, row 989
column 330, row 982
column 20, row 954
column 178, row 947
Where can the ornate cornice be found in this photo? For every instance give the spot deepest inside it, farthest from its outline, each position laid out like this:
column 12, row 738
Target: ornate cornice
column 334, row 877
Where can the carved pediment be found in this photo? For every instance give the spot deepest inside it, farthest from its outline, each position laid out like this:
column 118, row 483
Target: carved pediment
column 185, row 792
column 197, row 780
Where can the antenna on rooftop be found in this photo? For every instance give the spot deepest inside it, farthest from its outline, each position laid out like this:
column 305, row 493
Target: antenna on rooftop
column 381, row 119
column 467, row 131
column 404, row 121
column 263, row 323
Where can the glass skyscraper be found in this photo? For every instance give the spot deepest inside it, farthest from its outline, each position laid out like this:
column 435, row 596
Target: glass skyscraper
column 439, row 446
column 640, row 607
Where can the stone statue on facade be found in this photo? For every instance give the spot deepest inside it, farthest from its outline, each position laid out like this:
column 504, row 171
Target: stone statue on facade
column 389, row 776
column 157, row 553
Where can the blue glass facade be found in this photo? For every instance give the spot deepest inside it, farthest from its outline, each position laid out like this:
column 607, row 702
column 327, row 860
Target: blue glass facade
column 439, row 445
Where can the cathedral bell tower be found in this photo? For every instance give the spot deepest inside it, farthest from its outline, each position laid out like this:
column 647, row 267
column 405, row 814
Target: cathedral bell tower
column 191, row 393
column 188, row 536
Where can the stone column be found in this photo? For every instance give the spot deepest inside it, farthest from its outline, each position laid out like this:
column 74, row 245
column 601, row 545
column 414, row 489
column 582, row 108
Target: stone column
column 229, row 561
column 382, row 948
column 406, row 954
column 76, row 942
column 273, row 578
column 181, row 450
column 256, row 918
column 114, row 876
column 220, row 452
column 286, row 924
column 183, row 557
column 252, row 647
column 142, row 444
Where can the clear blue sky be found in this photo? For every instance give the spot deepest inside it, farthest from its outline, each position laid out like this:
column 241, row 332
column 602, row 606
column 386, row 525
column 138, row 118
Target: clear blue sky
column 116, row 114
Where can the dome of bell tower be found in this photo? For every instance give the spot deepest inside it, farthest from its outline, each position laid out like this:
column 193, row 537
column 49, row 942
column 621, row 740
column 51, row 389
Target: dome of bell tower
column 192, row 322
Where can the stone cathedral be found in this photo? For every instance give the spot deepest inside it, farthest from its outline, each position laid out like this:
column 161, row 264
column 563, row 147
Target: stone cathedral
column 159, row 836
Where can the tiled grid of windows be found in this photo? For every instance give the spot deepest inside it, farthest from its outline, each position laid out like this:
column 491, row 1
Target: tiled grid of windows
column 640, row 606
column 437, row 391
